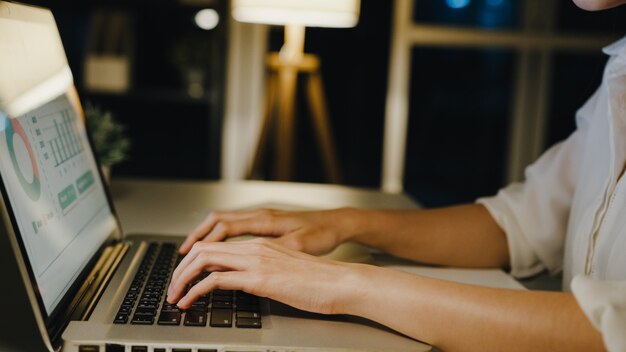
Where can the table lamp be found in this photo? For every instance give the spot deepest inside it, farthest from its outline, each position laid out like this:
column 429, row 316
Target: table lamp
column 284, row 67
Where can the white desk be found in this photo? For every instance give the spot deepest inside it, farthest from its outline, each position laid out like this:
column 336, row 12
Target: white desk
column 176, row 207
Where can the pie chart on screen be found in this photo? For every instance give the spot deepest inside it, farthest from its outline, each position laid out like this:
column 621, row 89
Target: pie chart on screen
column 23, row 158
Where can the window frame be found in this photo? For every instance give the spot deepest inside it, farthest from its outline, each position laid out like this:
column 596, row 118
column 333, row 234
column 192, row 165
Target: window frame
column 534, row 44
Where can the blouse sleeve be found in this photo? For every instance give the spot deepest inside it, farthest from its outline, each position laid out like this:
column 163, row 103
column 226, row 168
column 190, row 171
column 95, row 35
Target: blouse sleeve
column 534, row 214
column 604, row 303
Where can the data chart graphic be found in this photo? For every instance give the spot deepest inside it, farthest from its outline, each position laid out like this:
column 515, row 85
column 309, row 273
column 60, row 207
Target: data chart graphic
column 17, row 143
column 65, row 142
column 50, row 177
column 46, row 152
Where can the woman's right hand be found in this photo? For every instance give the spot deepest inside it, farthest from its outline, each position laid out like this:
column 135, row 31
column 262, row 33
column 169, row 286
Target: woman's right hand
column 312, row 232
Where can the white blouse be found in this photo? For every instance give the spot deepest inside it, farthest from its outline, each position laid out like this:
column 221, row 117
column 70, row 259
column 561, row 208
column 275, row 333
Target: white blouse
column 570, row 213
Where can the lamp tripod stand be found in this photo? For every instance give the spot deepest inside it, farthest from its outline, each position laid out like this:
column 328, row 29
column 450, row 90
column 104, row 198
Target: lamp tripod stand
column 279, row 115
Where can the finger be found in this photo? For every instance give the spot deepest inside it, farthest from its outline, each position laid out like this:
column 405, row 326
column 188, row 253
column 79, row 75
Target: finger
column 230, row 280
column 258, row 225
column 249, row 248
column 209, row 222
column 197, row 249
column 201, row 264
column 199, row 232
column 259, row 247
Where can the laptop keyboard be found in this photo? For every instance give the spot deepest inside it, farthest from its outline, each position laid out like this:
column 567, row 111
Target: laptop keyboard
column 145, row 302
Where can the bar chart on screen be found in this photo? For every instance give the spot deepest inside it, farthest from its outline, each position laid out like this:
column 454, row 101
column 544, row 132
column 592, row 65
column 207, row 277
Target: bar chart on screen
column 61, row 150
column 49, row 181
column 45, row 155
column 63, row 141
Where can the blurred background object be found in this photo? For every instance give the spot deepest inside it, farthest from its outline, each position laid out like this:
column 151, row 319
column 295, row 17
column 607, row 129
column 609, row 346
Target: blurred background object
column 110, row 52
column 477, row 87
column 110, row 143
column 284, row 68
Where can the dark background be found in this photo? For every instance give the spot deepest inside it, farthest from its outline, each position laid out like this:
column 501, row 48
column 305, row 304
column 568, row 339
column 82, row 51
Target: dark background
column 461, row 99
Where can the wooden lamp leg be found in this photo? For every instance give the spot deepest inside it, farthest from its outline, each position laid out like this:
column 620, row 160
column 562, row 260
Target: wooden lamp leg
column 321, row 124
column 280, row 104
column 283, row 165
column 290, row 55
column 255, row 166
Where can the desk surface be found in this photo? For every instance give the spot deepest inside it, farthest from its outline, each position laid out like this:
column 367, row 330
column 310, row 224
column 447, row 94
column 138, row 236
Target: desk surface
column 175, row 207
column 170, row 207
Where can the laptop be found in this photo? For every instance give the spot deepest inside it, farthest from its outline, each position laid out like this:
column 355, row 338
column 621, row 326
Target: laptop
column 91, row 287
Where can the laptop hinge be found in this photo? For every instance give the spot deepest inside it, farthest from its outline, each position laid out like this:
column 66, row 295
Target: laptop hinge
column 88, row 295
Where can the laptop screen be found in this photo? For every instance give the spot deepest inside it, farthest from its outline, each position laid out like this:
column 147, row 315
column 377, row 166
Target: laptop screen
column 55, row 193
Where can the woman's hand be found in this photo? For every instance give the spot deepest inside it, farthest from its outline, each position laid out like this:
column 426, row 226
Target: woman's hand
column 266, row 269
column 458, row 316
column 313, row 232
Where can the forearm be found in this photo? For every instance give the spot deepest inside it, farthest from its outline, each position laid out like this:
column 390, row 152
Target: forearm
column 463, row 317
column 465, row 236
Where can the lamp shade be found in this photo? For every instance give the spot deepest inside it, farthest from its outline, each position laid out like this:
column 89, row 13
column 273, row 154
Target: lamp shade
column 309, row 13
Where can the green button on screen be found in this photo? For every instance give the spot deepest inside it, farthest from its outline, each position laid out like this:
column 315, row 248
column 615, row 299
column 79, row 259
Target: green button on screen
column 84, row 182
column 67, row 197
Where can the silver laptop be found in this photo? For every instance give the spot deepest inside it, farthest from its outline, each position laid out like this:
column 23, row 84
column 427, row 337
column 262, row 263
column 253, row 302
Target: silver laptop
column 91, row 287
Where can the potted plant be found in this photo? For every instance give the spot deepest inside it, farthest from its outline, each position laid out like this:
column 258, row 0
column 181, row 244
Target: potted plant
column 108, row 136
column 192, row 56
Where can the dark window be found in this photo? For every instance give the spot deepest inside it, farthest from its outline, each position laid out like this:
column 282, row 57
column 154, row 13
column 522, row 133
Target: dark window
column 460, row 103
column 473, row 13
column 575, row 77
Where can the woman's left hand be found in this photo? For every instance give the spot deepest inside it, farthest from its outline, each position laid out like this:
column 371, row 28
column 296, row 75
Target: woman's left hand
column 266, row 269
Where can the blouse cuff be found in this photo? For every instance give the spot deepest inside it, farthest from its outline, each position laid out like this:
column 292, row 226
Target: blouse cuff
column 524, row 260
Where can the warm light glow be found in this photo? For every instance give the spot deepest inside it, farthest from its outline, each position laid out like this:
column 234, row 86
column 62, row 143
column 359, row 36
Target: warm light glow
column 28, row 80
column 309, row 13
column 207, row 19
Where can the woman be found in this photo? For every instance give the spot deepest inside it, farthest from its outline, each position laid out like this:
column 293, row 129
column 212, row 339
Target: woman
column 564, row 217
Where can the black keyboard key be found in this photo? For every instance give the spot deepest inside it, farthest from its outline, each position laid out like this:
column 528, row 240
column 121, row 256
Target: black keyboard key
column 248, row 315
column 248, row 323
column 221, row 318
column 148, row 285
column 151, row 296
column 167, row 307
column 198, row 308
column 248, row 307
column 193, row 318
column 121, row 319
column 225, row 305
column 124, row 310
column 145, row 311
column 152, row 291
column 169, row 318
column 148, row 305
column 222, row 299
column 149, row 301
column 202, row 300
column 143, row 320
